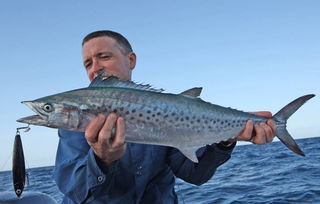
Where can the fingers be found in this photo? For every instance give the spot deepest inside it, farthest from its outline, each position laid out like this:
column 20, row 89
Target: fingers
column 260, row 137
column 119, row 139
column 246, row 134
column 273, row 126
column 260, row 133
column 265, row 132
column 93, row 129
column 268, row 132
column 105, row 134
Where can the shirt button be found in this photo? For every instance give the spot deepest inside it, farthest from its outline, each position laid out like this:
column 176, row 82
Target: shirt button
column 100, row 178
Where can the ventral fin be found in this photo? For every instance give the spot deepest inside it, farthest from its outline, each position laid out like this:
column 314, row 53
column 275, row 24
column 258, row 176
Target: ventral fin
column 190, row 153
column 113, row 81
column 193, row 93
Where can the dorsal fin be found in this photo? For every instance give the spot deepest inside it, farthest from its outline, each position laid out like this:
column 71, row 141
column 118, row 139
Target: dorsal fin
column 194, row 92
column 112, row 81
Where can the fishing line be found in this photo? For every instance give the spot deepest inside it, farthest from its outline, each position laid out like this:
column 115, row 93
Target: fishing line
column 5, row 163
column 27, row 173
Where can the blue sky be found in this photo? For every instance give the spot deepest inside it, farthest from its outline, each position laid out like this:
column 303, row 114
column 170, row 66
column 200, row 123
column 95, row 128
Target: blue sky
column 249, row 55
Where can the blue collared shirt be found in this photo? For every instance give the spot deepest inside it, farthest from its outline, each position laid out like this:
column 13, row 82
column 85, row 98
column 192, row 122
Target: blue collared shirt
column 145, row 174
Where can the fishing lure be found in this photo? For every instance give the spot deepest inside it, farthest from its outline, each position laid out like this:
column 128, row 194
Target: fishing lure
column 18, row 165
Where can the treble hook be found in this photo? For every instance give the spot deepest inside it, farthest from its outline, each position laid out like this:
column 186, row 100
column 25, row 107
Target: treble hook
column 20, row 128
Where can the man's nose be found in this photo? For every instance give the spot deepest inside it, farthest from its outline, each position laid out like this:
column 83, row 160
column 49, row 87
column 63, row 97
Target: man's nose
column 96, row 66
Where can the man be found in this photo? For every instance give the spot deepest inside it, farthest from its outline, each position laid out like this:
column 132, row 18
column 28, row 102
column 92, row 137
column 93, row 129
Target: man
column 98, row 166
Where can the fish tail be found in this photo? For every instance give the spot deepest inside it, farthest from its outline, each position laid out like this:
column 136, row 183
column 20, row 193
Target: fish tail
column 281, row 118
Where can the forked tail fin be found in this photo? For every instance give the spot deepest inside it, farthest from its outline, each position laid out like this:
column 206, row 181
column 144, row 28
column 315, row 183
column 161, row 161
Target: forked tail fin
column 281, row 119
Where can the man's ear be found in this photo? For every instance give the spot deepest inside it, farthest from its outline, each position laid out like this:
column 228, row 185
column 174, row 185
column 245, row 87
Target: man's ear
column 132, row 60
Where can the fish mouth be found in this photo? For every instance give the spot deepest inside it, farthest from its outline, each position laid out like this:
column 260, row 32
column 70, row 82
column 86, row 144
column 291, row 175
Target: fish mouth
column 38, row 119
column 33, row 120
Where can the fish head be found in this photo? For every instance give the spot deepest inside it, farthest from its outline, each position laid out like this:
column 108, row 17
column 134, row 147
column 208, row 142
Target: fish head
column 52, row 114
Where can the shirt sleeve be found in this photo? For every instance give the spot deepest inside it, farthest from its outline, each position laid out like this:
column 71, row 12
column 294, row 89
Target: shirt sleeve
column 76, row 172
column 210, row 158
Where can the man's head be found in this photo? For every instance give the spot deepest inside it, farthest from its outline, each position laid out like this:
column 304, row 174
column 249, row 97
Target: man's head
column 110, row 52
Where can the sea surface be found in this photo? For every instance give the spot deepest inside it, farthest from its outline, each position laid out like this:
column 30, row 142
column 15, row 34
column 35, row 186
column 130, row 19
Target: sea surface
column 255, row 174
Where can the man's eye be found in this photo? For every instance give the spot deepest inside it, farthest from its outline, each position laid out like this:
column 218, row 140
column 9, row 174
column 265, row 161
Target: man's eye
column 87, row 66
column 104, row 56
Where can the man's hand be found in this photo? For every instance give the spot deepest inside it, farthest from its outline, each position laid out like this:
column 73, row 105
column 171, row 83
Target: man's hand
column 261, row 133
column 105, row 135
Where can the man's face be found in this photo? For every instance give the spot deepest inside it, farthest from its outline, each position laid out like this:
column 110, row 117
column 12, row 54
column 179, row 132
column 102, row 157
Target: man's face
column 103, row 54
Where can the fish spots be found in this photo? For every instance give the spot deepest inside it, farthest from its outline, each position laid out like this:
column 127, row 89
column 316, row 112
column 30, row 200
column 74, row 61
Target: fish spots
column 150, row 115
column 145, row 114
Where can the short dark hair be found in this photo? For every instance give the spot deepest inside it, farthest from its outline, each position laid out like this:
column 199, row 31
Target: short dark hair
column 123, row 43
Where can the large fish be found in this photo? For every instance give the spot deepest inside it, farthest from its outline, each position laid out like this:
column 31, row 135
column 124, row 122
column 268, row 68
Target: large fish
column 183, row 120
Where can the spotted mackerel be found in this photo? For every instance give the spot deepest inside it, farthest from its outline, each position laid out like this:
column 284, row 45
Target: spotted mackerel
column 183, row 121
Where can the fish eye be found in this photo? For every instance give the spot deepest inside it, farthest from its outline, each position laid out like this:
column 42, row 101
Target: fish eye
column 47, row 107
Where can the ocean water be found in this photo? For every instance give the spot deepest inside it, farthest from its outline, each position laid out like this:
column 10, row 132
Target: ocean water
column 255, row 174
